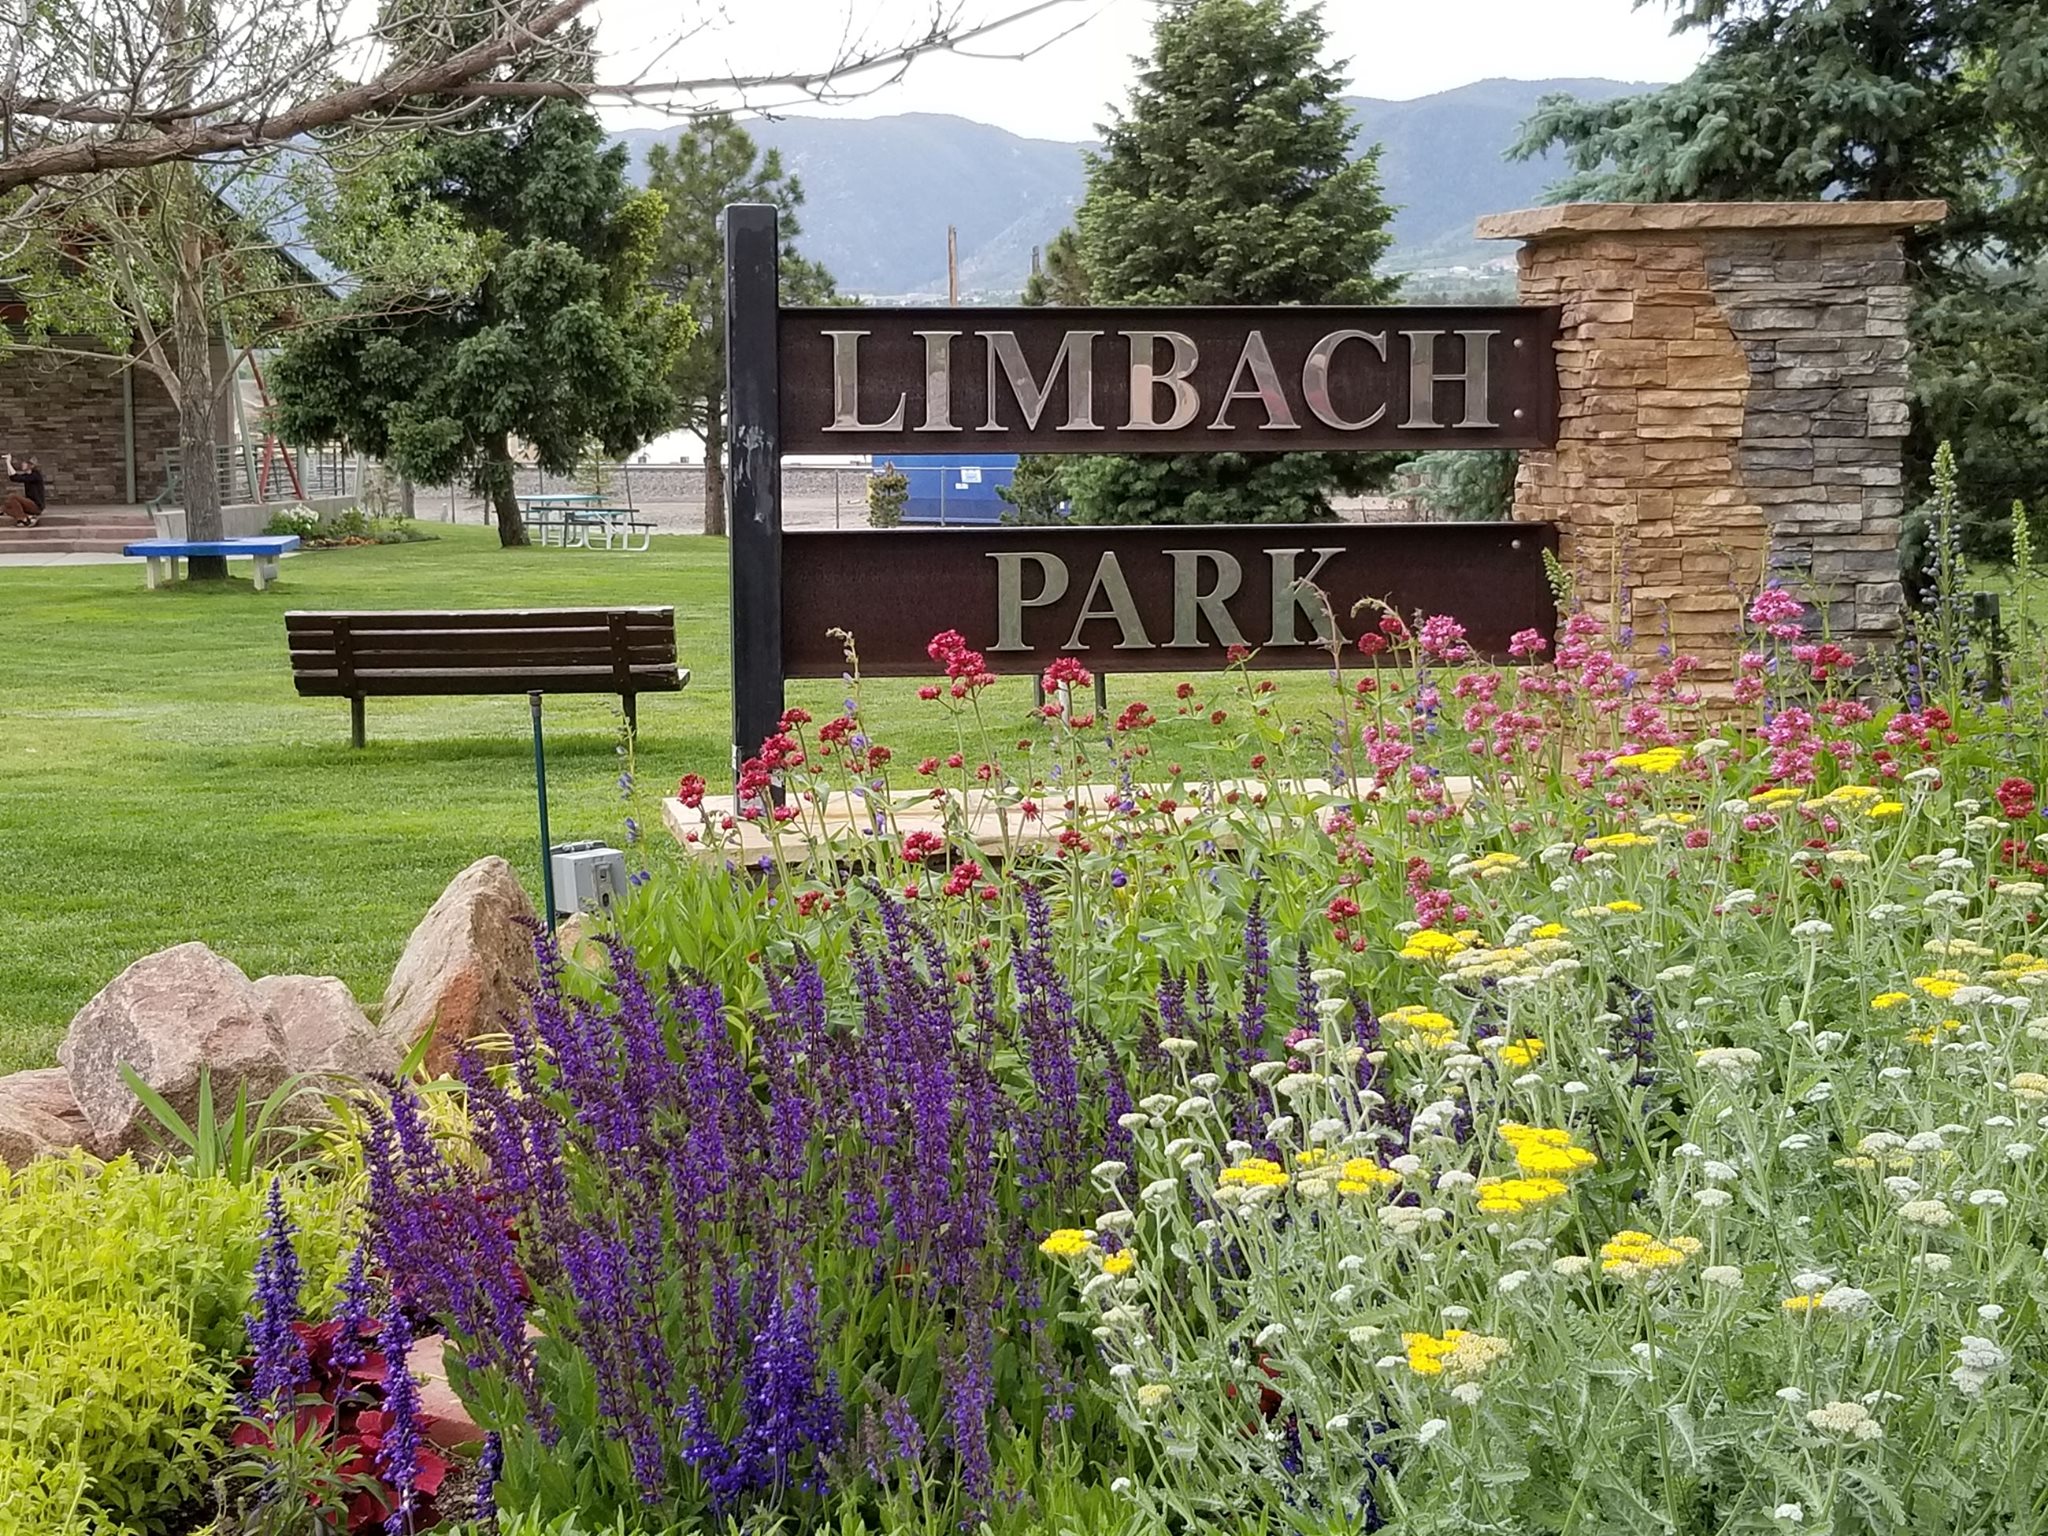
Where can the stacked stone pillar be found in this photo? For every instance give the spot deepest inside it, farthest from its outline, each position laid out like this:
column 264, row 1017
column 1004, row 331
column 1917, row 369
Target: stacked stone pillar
column 1732, row 408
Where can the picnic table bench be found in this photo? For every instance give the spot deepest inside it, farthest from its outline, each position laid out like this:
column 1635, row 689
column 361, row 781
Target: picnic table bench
column 571, row 526
column 355, row 656
column 164, row 555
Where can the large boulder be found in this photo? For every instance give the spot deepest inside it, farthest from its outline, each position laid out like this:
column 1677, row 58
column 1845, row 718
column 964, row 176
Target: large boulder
column 168, row 1016
column 325, row 1032
column 465, row 967
column 38, row 1116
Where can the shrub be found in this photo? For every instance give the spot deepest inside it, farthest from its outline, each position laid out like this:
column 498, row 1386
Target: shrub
column 300, row 522
column 888, row 492
column 120, row 1390
column 44, row 1494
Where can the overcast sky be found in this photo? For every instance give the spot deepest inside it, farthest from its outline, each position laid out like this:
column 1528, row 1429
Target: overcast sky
column 1392, row 48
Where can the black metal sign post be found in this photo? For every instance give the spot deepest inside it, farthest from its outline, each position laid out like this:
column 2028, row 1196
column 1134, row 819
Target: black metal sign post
column 753, row 469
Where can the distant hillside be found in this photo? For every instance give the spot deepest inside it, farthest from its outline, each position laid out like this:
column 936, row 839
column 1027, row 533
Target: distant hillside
column 879, row 192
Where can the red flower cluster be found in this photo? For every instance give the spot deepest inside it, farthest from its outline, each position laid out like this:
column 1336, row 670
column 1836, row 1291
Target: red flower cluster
column 2016, row 799
column 1065, row 670
column 919, row 846
column 690, row 790
column 968, row 669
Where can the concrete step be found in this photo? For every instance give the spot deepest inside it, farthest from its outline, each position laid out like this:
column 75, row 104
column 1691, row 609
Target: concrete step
column 42, row 541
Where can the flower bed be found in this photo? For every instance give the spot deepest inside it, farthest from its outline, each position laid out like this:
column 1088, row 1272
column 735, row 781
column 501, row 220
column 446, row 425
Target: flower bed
column 1641, row 1138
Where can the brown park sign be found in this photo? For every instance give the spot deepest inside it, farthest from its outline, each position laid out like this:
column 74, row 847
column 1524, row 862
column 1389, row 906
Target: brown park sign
column 1149, row 599
column 1165, row 380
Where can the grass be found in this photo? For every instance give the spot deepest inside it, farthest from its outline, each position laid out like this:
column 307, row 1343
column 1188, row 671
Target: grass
column 163, row 781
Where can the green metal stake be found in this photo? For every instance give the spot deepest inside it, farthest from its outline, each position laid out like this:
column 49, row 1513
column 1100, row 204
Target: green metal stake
column 540, row 789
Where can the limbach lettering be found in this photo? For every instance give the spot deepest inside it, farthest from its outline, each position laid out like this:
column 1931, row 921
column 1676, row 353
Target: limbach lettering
column 1167, row 387
column 1292, row 593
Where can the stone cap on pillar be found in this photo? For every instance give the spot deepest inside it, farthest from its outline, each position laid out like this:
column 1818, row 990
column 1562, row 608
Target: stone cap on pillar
column 1563, row 220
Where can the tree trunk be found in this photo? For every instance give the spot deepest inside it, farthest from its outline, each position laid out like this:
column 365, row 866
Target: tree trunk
column 405, row 497
column 497, row 489
column 198, row 407
column 714, row 465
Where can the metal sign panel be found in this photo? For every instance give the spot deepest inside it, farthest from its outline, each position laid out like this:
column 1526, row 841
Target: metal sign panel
column 1166, row 380
column 1150, row 599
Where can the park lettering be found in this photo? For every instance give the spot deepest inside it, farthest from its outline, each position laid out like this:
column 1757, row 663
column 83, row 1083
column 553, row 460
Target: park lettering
column 1164, row 372
column 1205, row 581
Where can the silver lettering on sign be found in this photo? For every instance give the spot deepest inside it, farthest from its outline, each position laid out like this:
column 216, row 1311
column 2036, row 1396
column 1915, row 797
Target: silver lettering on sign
column 1146, row 380
column 1315, row 378
column 1265, row 388
column 846, row 388
column 1191, row 605
column 1292, row 596
column 1077, row 352
column 938, row 381
column 1010, row 599
column 1423, row 379
column 1109, row 582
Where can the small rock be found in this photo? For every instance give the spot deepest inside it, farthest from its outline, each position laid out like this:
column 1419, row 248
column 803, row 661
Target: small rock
column 39, row 1117
column 324, row 1031
column 168, row 1016
column 575, row 938
column 465, row 967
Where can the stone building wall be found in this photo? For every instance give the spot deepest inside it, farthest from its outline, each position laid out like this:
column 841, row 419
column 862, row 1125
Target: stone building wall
column 1732, row 399
column 69, row 413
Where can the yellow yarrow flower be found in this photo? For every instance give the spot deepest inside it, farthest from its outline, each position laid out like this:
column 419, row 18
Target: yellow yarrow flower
column 1546, row 1150
column 1776, row 796
column 1885, row 809
column 2031, row 1087
column 1523, row 1052
column 1624, row 907
column 1885, row 1000
column 1067, row 1243
column 1254, row 1172
column 1635, row 1255
column 1613, row 840
column 1458, row 1355
column 1942, row 984
column 1119, row 1263
column 1511, row 1197
column 1854, row 794
column 1804, row 1303
column 1431, row 944
column 1362, row 1176
column 1655, row 760
column 1933, row 1032
column 1549, row 931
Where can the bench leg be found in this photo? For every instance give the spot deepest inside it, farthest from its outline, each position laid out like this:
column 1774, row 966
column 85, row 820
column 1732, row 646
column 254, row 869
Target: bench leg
column 266, row 573
column 152, row 573
column 355, row 722
column 632, row 703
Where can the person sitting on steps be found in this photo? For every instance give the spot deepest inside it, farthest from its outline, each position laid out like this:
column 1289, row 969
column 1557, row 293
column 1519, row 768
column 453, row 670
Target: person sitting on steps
column 24, row 506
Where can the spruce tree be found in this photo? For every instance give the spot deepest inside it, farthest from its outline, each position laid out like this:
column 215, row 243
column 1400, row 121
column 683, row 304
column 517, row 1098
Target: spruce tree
column 1229, row 179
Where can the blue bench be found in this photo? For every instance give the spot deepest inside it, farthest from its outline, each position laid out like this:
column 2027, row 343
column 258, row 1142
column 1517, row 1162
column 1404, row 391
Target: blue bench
column 163, row 555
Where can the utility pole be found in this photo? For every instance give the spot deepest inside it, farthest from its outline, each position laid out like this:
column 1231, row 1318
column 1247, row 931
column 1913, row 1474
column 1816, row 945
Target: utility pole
column 952, row 265
column 1034, row 261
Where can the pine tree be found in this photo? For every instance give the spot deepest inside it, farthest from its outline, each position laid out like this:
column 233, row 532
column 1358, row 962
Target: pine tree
column 714, row 162
column 1892, row 99
column 1229, row 179
column 559, row 343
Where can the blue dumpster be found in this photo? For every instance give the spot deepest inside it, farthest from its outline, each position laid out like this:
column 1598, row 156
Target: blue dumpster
column 955, row 488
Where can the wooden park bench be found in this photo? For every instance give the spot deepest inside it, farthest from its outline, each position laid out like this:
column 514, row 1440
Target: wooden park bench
column 355, row 656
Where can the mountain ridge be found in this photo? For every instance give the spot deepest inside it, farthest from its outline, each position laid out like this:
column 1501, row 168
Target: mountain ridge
column 880, row 191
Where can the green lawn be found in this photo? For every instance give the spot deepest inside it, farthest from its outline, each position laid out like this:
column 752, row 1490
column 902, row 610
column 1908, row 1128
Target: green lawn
column 160, row 780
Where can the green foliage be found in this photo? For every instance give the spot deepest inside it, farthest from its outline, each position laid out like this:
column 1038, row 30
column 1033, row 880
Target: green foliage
column 1037, row 492
column 1227, row 180
column 122, row 1391
column 43, row 1493
column 1062, row 278
column 1466, row 487
column 888, row 491
column 1844, row 98
column 238, row 1146
column 122, row 1293
column 711, row 164
column 298, row 522
column 560, row 342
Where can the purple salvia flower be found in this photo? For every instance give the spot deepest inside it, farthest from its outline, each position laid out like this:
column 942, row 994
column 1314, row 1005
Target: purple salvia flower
column 398, row 1453
column 280, row 1355
column 490, row 1466
column 352, row 1318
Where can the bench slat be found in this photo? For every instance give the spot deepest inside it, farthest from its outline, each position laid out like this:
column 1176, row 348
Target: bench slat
column 403, row 648
column 456, row 621
column 548, row 680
